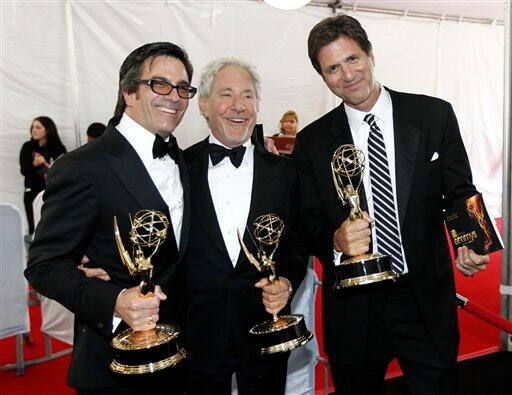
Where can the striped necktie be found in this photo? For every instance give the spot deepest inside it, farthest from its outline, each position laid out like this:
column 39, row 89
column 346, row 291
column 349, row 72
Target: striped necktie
column 384, row 209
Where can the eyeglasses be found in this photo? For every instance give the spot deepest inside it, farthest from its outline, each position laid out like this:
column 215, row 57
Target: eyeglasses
column 164, row 88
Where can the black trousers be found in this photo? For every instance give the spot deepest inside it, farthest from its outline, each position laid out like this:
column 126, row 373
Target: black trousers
column 268, row 379
column 396, row 329
column 170, row 381
column 28, row 198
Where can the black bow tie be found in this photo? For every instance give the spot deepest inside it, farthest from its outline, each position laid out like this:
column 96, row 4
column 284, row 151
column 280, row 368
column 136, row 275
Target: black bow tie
column 218, row 152
column 162, row 148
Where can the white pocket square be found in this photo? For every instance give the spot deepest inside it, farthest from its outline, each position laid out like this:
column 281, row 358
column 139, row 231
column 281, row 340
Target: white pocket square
column 434, row 157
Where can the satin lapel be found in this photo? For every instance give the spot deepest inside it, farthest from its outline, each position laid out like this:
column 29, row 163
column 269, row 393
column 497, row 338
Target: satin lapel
column 406, row 148
column 263, row 184
column 203, row 203
column 341, row 134
column 131, row 171
column 185, row 224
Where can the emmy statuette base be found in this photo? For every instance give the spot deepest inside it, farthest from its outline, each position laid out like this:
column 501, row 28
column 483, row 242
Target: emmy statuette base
column 147, row 352
column 287, row 333
column 364, row 269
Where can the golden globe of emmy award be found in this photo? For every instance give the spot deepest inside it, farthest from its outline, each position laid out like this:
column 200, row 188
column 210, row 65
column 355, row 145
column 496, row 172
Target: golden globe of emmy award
column 281, row 333
column 139, row 352
column 347, row 165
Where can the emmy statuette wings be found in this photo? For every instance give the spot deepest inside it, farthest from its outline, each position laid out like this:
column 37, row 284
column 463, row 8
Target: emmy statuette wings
column 160, row 348
column 249, row 256
column 125, row 256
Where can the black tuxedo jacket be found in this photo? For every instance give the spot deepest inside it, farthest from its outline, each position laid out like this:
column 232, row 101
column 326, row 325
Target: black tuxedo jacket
column 222, row 302
column 422, row 126
column 85, row 190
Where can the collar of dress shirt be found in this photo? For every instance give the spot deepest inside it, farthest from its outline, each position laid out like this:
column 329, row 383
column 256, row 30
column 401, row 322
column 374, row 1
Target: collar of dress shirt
column 248, row 155
column 141, row 139
column 382, row 110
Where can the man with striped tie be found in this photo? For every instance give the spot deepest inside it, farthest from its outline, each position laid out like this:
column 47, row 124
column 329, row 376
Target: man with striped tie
column 416, row 166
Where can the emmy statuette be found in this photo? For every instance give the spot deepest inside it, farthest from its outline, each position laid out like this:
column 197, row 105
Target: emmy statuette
column 281, row 333
column 139, row 352
column 347, row 167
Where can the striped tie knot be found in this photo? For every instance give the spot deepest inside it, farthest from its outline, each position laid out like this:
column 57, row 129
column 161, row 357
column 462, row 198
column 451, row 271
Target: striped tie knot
column 369, row 119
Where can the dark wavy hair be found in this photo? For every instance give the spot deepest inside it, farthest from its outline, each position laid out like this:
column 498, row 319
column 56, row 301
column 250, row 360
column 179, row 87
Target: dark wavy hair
column 52, row 135
column 131, row 69
column 332, row 28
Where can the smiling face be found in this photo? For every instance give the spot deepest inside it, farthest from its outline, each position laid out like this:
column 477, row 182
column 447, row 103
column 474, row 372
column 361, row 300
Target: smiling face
column 349, row 73
column 232, row 106
column 158, row 113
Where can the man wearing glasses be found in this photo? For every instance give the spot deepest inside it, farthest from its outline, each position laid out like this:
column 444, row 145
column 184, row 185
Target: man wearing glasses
column 135, row 165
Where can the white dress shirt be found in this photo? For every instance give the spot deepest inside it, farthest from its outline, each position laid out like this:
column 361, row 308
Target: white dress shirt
column 164, row 173
column 383, row 112
column 231, row 190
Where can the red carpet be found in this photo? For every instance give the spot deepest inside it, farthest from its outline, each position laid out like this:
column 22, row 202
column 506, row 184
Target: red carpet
column 48, row 378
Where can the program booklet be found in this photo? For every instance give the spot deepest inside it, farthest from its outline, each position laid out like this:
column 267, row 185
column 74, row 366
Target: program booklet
column 469, row 224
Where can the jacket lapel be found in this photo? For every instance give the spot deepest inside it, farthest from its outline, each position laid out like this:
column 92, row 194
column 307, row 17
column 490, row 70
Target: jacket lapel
column 262, row 197
column 185, row 224
column 406, row 148
column 203, row 205
column 131, row 171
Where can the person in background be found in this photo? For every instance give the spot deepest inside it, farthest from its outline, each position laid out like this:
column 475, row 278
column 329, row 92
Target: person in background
column 36, row 157
column 288, row 125
column 95, row 130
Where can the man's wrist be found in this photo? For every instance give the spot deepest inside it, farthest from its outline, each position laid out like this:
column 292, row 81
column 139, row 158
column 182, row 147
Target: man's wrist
column 335, row 246
column 290, row 287
column 116, row 314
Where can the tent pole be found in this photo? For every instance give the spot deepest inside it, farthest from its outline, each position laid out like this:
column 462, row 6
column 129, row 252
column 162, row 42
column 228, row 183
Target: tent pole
column 73, row 72
column 506, row 272
column 337, row 6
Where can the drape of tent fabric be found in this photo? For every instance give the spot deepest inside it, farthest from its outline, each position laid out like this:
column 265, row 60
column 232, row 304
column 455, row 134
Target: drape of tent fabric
column 14, row 319
column 56, row 320
column 301, row 365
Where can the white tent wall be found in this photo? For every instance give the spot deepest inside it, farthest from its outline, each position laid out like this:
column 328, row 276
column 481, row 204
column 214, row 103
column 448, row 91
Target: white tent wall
column 458, row 61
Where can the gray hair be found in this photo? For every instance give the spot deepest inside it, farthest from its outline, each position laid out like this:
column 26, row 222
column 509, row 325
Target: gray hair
column 212, row 68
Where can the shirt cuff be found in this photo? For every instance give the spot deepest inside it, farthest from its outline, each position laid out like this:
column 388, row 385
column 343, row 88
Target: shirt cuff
column 337, row 257
column 115, row 319
column 115, row 323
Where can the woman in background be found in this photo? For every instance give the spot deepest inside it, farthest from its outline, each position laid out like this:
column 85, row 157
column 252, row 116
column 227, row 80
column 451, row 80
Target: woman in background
column 288, row 124
column 36, row 157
